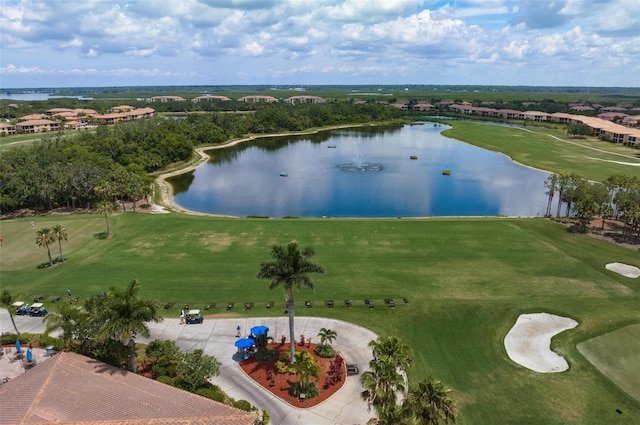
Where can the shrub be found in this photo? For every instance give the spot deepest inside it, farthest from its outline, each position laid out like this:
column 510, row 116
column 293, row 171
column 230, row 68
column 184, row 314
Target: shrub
column 264, row 355
column 243, row 405
column 166, row 380
column 282, row 367
column 309, row 391
column 325, row 351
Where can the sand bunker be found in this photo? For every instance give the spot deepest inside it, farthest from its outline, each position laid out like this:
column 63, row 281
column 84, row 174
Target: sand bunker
column 624, row 269
column 528, row 343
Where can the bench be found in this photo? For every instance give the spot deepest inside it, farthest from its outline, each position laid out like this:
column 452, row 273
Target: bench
column 352, row 369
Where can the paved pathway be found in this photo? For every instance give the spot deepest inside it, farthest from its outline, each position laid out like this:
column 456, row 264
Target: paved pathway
column 217, row 336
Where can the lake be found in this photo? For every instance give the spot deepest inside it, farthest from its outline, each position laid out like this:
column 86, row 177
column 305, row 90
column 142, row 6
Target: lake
column 362, row 172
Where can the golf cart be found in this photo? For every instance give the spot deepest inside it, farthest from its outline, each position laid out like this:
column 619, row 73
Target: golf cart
column 37, row 309
column 193, row 316
column 22, row 309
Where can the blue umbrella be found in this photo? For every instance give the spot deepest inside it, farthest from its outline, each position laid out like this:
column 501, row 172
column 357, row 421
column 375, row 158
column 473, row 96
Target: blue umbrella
column 259, row 330
column 244, row 343
column 18, row 346
column 29, row 355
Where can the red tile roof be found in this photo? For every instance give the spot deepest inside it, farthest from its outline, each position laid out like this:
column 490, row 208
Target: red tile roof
column 74, row 389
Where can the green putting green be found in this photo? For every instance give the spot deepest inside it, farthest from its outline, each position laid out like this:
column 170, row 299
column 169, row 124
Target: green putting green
column 617, row 355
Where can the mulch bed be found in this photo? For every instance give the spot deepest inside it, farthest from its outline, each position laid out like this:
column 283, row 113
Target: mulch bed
column 258, row 372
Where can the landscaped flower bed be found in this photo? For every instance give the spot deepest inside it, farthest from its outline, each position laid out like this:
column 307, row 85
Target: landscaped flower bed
column 265, row 374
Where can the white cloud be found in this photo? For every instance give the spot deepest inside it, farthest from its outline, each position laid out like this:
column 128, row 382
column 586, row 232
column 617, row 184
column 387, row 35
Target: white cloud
column 391, row 40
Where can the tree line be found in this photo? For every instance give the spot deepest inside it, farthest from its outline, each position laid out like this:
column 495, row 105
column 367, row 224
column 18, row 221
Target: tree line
column 618, row 197
column 114, row 163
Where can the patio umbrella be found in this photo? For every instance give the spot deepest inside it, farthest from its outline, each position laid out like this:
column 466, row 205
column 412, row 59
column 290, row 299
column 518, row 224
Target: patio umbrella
column 259, row 330
column 244, row 343
column 18, row 348
column 29, row 355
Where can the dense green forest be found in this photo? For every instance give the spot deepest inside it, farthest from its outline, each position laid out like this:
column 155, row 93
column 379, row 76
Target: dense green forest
column 114, row 163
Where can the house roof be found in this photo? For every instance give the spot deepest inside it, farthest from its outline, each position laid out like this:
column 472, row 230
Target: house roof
column 72, row 389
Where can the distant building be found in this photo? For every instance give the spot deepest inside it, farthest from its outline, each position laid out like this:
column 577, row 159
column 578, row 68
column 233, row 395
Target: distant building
column 256, row 99
column 304, row 99
column 210, row 97
column 165, row 99
column 130, row 115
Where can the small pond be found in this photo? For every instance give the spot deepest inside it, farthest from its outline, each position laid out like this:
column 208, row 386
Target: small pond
column 362, row 172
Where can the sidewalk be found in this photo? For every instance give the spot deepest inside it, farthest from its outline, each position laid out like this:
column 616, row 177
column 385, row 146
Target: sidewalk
column 216, row 337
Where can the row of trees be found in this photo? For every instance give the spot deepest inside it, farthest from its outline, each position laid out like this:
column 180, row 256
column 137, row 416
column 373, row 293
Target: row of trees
column 617, row 197
column 47, row 236
column 385, row 384
column 113, row 163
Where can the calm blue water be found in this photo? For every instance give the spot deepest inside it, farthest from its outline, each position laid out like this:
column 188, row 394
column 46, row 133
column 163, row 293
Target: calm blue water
column 246, row 179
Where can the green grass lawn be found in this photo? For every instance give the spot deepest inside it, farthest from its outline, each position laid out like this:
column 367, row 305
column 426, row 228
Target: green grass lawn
column 466, row 280
column 616, row 355
column 591, row 158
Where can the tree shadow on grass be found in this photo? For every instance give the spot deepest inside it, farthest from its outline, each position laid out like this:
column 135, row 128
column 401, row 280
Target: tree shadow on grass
column 101, row 235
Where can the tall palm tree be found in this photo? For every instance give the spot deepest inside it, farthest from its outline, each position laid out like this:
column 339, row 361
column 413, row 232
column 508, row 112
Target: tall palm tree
column 106, row 209
column 552, row 185
column 392, row 349
column 7, row 298
column 125, row 316
column 60, row 234
column 429, row 402
column 44, row 237
column 289, row 268
column 327, row 336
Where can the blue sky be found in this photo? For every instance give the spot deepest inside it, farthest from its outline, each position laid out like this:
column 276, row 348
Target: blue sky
column 302, row 42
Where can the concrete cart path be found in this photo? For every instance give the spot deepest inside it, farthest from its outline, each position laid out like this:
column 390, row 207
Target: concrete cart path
column 216, row 337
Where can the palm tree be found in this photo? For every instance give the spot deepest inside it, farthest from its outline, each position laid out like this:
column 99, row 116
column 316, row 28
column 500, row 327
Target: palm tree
column 306, row 368
column 60, row 234
column 327, row 336
column 429, row 402
column 44, row 237
column 289, row 268
column 68, row 319
column 382, row 383
column 106, row 208
column 552, row 185
column 126, row 315
column 7, row 298
column 386, row 377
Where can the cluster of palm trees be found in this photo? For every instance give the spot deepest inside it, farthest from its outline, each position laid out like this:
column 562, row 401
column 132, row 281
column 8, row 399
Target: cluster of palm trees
column 385, row 383
column 617, row 196
column 107, row 323
column 48, row 236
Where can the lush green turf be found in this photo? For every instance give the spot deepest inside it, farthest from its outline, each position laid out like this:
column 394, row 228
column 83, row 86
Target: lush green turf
column 616, row 355
column 466, row 280
column 535, row 147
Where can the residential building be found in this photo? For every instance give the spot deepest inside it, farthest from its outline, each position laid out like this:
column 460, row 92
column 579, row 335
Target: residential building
column 165, row 99
column 255, row 99
column 72, row 389
column 304, row 99
column 210, row 97
column 8, row 129
column 37, row 126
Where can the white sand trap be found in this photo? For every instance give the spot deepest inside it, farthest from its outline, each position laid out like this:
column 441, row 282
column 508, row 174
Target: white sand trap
column 624, row 269
column 528, row 343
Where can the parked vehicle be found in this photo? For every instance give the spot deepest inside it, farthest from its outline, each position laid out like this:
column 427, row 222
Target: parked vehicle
column 22, row 309
column 37, row 309
column 194, row 316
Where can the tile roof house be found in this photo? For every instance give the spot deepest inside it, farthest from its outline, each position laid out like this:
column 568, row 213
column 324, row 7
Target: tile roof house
column 165, row 99
column 75, row 390
column 37, row 126
column 304, row 99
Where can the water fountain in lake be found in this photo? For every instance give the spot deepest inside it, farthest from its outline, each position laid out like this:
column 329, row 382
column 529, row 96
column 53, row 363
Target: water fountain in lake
column 360, row 164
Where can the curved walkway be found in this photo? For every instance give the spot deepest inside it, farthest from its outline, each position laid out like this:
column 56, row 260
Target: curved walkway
column 216, row 337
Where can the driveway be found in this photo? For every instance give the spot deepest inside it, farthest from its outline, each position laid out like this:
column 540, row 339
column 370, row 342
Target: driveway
column 216, row 337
